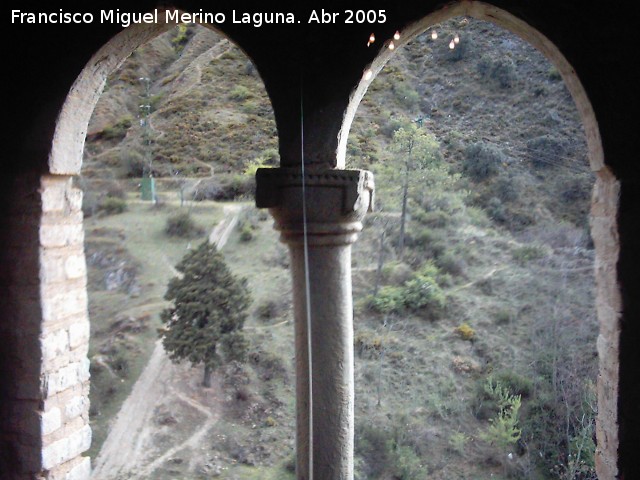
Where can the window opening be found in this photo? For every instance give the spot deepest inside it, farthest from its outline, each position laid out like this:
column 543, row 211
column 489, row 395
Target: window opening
column 474, row 292
column 169, row 162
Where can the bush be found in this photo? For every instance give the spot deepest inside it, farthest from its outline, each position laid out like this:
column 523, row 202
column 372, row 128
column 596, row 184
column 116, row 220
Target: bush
column 246, row 233
column 390, row 126
column 461, row 51
column 368, row 344
column 497, row 211
column 527, row 253
column 508, row 188
column 420, row 292
column 240, row 93
column 388, row 300
column 423, row 291
column 501, row 71
column 227, row 189
column 545, row 151
column 452, row 264
column 183, row 226
column 483, row 160
column 465, row 332
column 268, row 310
column 503, row 317
column 406, row 95
column 431, row 243
column 114, row 190
column 515, row 383
column 112, row 206
column 134, row 162
column 553, row 74
column 118, row 130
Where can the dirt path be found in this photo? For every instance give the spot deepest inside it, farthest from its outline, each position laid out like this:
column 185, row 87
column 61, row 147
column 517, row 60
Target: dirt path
column 131, row 450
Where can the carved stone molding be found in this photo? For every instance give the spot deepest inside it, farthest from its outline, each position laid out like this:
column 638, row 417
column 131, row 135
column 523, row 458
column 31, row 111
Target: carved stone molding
column 334, row 204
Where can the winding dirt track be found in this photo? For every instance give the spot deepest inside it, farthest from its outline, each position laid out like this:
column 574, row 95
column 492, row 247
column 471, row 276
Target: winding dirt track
column 131, row 450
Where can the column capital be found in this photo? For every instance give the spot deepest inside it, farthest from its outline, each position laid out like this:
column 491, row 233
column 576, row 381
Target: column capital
column 336, row 202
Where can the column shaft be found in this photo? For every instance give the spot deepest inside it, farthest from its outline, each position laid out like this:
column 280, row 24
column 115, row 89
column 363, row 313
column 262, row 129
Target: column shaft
column 327, row 221
column 331, row 321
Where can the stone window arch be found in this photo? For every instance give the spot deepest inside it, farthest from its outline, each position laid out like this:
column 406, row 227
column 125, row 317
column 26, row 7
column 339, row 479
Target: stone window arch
column 604, row 204
column 62, row 421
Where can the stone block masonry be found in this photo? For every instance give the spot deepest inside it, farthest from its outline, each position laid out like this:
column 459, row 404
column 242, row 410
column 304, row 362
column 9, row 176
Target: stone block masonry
column 64, row 336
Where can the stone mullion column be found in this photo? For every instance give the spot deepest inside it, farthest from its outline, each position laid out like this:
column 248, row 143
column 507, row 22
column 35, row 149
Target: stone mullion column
column 336, row 201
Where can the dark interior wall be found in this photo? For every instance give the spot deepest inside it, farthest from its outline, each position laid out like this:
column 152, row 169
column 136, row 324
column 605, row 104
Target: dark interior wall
column 20, row 368
column 629, row 277
column 325, row 62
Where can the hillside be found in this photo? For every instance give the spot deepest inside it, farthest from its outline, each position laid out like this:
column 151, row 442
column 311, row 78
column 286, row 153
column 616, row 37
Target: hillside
column 475, row 342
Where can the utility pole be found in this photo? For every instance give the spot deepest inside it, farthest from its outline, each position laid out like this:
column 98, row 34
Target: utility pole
column 148, row 182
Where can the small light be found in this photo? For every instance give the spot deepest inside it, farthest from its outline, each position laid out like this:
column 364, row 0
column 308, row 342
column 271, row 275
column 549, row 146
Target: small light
column 372, row 38
column 391, row 45
column 456, row 39
column 434, row 35
column 452, row 44
column 396, row 36
column 368, row 74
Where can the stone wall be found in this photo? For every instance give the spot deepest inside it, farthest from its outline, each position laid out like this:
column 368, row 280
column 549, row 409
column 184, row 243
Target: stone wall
column 45, row 407
column 64, row 338
column 20, row 366
column 608, row 305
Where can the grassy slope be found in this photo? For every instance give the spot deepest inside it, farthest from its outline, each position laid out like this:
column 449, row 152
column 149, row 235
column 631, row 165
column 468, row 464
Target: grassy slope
column 525, row 287
column 123, row 326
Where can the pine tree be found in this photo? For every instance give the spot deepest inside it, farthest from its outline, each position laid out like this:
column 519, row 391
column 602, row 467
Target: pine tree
column 204, row 324
column 420, row 153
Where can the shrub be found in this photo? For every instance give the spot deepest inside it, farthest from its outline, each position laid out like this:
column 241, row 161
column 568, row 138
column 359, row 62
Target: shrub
column 503, row 317
column 114, row 190
column 269, row 309
column 388, row 300
column 465, row 332
column 372, row 446
column 527, row 253
column 496, row 210
column 553, row 74
column 134, row 162
column 452, row 264
column 458, row 441
column 390, row 126
column 227, row 189
column 118, row 130
column 246, row 233
column 515, row 383
column 508, row 188
column 420, row 292
column 501, row 71
column 423, row 291
column 112, row 206
column 405, row 94
column 431, row 242
column 461, row 51
column 483, row 160
column 545, row 151
column 240, row 93
column 367, row 344
column 209, row 189
column 406, row 463
column 504, row 72
column 183, row 226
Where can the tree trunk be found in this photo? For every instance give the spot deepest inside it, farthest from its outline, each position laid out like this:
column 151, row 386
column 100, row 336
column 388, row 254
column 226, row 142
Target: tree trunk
column 403, row 215
column 206, row 381
column 376, row 285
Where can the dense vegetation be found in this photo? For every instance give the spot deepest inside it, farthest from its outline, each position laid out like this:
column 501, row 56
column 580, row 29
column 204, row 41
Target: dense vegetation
column 474, row 324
